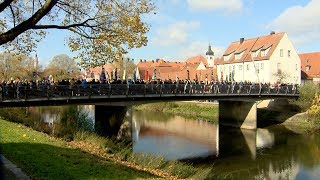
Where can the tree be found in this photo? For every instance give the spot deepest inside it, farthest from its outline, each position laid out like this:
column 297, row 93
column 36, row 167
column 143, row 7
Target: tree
column 16, row 67
column 101, row 30
column 62, row 67
column 281, row 76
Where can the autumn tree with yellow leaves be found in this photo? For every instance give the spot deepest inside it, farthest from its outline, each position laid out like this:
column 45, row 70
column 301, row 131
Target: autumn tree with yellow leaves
column 100, row 31
column 17, row 67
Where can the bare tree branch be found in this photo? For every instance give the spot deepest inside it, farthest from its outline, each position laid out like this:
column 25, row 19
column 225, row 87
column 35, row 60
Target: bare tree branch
column 5, row 4
column 13, row 16
column 28, row 24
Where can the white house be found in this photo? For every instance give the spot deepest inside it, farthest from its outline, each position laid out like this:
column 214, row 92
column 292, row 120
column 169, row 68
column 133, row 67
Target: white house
column 265, row 59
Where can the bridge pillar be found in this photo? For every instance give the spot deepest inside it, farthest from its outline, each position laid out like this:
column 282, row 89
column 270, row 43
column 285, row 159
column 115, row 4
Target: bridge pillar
column 238, row 114
column 109, row 119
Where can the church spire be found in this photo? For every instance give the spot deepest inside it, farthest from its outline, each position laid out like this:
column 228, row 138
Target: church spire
column 210, row 57
column 209, row 52
column 36, row 62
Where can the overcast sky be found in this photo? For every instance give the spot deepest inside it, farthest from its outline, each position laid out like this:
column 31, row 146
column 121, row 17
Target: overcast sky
column 184, row 28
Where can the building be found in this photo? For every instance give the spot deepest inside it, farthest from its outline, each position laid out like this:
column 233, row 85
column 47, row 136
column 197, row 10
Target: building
column 310, row 67
column 265, row 59
column 197, row 68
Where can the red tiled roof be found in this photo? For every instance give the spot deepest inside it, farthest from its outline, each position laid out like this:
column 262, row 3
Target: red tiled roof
column 173, row 70
column 250, row 45
column 312, row 60
column 197, row 59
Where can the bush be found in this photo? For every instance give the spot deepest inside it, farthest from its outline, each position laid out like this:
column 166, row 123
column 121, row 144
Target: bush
column 307, row 93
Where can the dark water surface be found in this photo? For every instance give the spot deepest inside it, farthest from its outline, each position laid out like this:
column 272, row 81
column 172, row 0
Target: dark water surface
column 268, row 153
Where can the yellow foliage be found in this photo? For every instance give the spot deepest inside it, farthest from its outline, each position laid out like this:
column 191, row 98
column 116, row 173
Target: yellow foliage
column 315, row 107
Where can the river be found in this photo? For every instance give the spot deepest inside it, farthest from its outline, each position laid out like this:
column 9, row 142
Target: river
column 266, row 153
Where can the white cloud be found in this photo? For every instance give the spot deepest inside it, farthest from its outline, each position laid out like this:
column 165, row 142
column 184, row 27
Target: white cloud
column 300, row 22
column 230, row 6
column 193, row 49
column 175, row 34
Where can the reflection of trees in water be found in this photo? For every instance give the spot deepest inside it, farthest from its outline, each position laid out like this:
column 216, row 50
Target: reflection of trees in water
column 72, row 120
column 152, row 116
column 60, row 121
column 283, row 160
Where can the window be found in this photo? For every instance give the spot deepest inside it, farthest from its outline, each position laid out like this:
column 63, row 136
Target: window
column 279, row 67
column 296, row 67
column 240, row 67
column 289, row 53
column 253, row 54
column 247, row 67
column 261, row 67
column 281, row 52
column 308, row 68
column 263, row 53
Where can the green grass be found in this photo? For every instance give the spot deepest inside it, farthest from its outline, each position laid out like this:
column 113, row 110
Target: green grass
column 123, row 151
column 45, row 157
column 193, row 110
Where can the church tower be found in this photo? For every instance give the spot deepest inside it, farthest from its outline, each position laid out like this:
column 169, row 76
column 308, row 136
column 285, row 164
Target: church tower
column 36, row 62
column 210, row 56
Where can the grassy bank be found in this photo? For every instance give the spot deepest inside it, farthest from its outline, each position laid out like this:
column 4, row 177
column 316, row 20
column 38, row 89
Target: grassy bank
column 192, row 109
column 44, row 157
column 88, row 156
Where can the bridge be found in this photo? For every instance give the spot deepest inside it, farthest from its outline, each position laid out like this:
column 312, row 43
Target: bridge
column 237, row 103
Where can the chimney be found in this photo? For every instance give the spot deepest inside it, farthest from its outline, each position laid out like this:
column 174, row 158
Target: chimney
column 140, row 60
column 272, row 33
column 157, row 60
column 152, row 61
column 145, row 60
column 241, row 40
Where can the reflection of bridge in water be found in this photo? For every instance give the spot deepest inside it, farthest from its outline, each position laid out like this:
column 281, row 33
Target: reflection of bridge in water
column 206, row 135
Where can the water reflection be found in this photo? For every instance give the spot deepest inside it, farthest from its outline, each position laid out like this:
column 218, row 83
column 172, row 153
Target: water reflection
column 181, row 138
column 268, row 153
column 174, row 138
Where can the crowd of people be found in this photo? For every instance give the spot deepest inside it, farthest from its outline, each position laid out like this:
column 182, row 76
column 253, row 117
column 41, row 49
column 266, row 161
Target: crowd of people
column 72, row 87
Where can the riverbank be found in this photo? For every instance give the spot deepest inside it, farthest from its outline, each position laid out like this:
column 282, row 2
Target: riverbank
column 41, row 156
column 302, row 123
column 88, row 156
column 189, row 109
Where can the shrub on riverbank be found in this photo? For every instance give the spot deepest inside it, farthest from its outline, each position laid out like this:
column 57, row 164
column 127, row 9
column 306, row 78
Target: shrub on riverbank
column 308, row 102
column 307, row 93
column 192, row 109
column 314, row 111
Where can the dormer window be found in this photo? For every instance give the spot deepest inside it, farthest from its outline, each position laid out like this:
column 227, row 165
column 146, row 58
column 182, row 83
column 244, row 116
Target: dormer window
column 265, row 51
column 238, row 55
column 255, row 53
column 227, row 57
column 308, row 68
